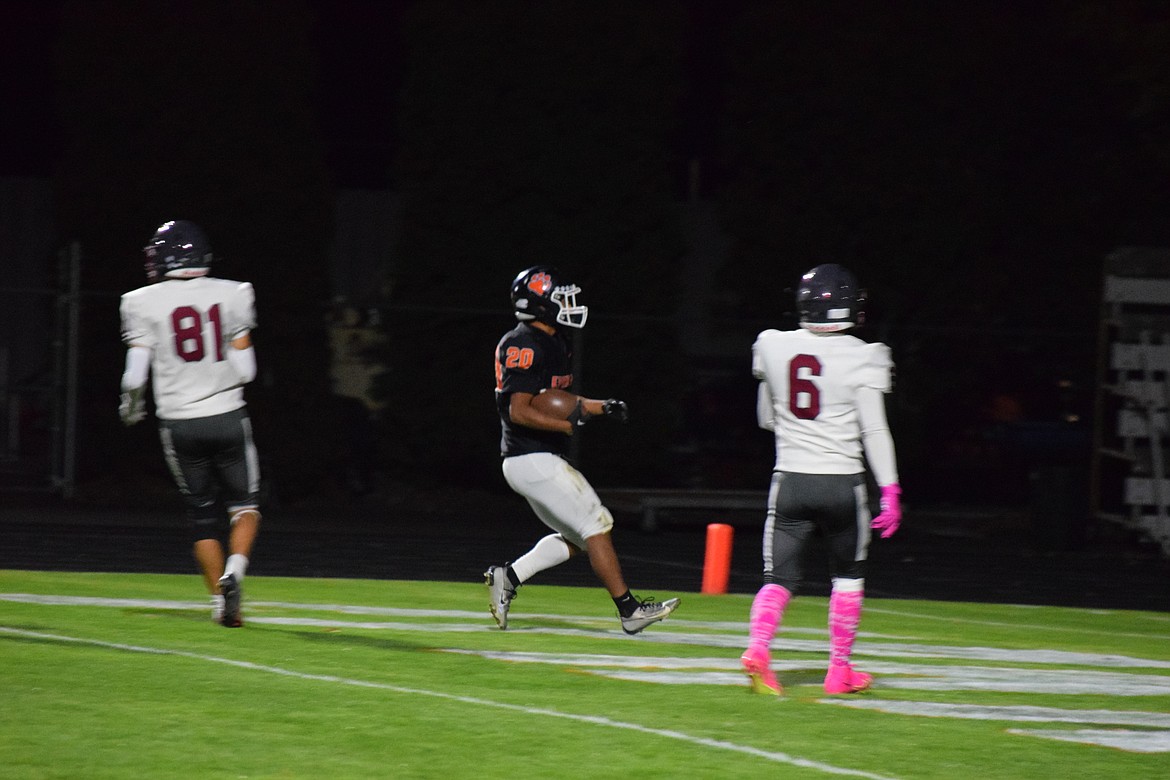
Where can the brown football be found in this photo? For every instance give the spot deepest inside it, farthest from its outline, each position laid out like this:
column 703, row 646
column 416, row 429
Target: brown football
column 555, row 403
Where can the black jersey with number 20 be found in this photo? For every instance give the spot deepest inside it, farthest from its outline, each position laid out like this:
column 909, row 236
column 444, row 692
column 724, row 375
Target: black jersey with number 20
column 528, row 361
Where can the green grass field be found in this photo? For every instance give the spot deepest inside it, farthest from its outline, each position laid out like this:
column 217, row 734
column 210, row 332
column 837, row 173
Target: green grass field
column 120, row 676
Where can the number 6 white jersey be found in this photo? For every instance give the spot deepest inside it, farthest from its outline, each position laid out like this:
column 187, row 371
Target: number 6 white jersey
column 188, row 325
column 811, row 388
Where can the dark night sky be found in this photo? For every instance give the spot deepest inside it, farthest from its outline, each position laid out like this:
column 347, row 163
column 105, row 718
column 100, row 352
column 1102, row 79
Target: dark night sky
column 359, row 59
column 357, row 51
column 30, row 134
column 969, row 153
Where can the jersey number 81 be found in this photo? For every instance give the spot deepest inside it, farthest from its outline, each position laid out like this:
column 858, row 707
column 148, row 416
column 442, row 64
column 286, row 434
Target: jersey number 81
column 187, row 325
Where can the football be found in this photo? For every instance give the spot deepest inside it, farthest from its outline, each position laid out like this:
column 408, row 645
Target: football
column 555, row 403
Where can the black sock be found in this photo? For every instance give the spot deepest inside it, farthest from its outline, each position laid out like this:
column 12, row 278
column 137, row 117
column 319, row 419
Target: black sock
column 626, row 604
column 512, row 578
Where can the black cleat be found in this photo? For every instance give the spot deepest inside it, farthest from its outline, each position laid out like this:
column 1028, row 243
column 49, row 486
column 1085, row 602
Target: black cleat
column 230, row 589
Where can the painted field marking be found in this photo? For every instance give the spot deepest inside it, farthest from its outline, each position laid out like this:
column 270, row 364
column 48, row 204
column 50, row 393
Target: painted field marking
column 665, row 633
column 1156, row 739
column 768, row 755
column 1157, row 631
column 671, row 670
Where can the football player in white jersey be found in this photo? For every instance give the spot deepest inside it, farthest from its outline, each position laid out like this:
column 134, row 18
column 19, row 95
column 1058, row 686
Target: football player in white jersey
column 189, row 335
column 822, row 392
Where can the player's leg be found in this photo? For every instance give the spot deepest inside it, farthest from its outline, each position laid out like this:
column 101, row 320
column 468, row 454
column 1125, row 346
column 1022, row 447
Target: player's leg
column 502, row 581
column 582, row 512
column 549, row 551
column 565, row 501
column 237, row 465
column 192, row 473
column 603, row 559
column 783, row 543
column 525, row 474
column 209, row 558
column 245, row 527
column 848, row 537
column 535, row 478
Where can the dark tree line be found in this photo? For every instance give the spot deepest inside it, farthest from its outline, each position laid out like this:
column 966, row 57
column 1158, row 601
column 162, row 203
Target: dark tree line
column 203, row 112
column 972, row 162
column 533, row 133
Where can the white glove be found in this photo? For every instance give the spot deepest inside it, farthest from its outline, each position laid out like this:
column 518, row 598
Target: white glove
column 132, row 408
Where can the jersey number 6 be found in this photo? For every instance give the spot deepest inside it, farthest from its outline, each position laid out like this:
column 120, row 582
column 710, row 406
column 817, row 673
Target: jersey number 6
column 804, row 397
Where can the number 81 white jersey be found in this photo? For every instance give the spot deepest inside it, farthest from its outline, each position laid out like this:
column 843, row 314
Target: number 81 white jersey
column 813, row 381
column 188, row 325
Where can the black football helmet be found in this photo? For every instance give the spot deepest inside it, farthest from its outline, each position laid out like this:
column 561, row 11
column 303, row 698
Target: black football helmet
column 541, row 293
column 828, row 299
column 177, row 250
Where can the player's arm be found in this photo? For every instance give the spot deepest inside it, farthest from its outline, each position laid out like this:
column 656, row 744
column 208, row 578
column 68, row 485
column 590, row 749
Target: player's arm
column 242, row 357
column 132, row 405
column 522, row 412
column 875, row 435
column 879, row 451
column 240, row 354
column 764, row 409
column 611, row 407
column 587, row 408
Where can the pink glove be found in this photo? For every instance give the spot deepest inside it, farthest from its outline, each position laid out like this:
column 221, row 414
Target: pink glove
column 891, row 515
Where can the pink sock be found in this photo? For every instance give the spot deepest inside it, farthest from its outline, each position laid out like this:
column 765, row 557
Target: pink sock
column 844, row 617
column 767, row 611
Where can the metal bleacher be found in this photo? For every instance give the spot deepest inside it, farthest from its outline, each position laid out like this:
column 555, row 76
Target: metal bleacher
column 1130, row 484
column 651, row 504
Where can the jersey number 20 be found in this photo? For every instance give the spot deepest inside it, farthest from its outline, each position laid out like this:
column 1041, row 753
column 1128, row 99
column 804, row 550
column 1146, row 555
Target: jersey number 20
column 187, row 324
column 804, row 397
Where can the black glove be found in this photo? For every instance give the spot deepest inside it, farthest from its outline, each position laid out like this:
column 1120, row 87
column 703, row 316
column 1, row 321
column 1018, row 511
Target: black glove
column 616, row 408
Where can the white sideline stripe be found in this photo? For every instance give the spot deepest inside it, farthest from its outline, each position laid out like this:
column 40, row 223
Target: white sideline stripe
column 1014, row 712
column 962, row 680
column 768, row 755
column 666, row 671
column 1003, row 624
column 1132, row 741
column 350, row 609
column 946, row 678
column 662, row 634
column 778, row 664
column 1153, row 739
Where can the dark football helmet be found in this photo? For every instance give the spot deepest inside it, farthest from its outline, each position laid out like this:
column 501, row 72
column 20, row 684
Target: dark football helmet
column 177, row 250
column 828, row 299
column 541, row 293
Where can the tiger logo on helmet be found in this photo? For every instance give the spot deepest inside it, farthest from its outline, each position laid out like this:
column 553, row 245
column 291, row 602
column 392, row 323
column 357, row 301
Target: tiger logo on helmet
column 543, row 294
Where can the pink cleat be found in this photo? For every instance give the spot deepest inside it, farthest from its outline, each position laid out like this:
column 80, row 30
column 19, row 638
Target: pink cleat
column 843, row 679
column 758, row 665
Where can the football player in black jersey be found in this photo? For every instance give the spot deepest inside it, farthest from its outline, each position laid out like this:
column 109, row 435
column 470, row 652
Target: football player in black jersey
column 532, row 357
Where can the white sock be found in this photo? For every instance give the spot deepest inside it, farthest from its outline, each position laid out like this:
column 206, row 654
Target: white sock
column 550, row 551
column 236, row 564
column 216, row 607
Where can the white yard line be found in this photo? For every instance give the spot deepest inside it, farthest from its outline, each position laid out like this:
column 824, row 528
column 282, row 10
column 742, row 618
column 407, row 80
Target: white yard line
column 719, row 670
column 667, row 632
column 747, row 750
column 1157, row 632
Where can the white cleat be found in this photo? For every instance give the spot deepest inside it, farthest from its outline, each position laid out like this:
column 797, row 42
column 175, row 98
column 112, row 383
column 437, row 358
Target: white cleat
column 648, row 612
column 500, row 593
